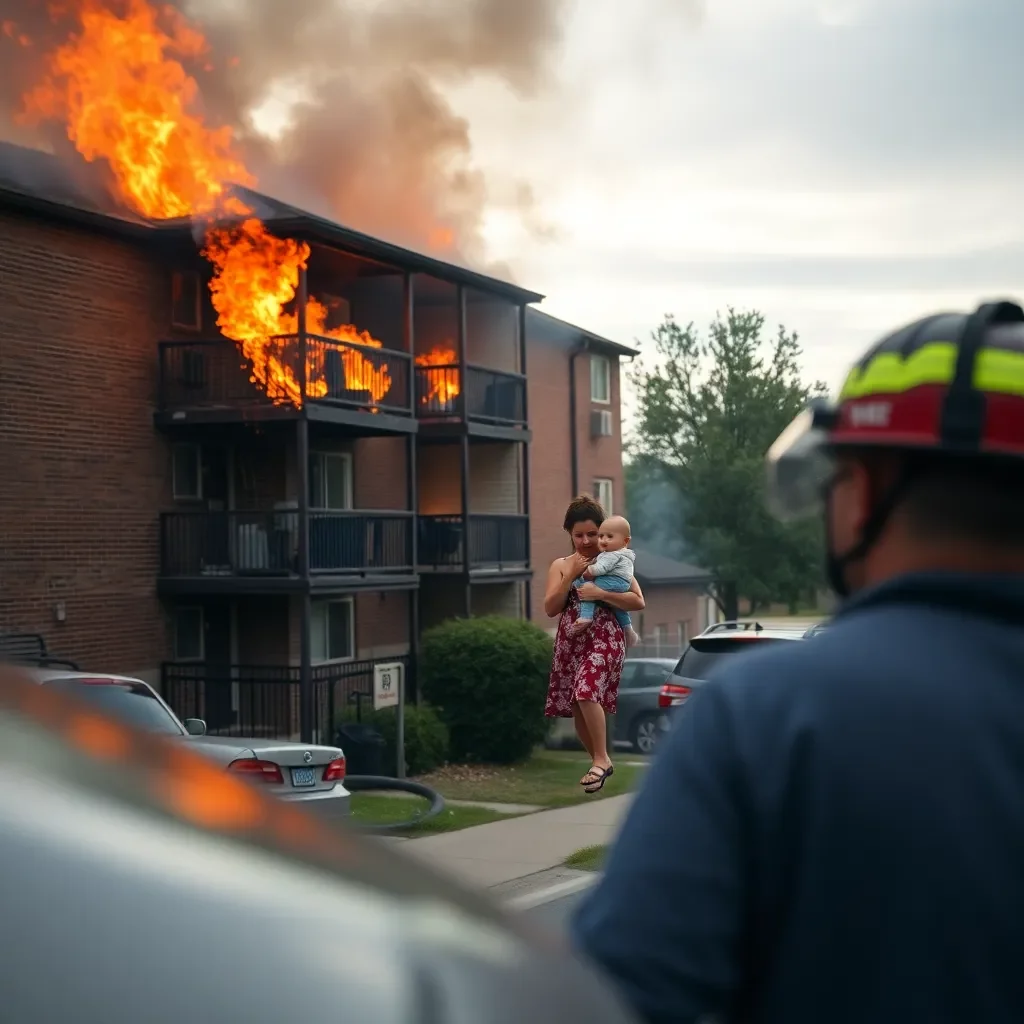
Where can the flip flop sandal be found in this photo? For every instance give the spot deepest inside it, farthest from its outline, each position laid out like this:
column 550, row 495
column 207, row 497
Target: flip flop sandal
column 601, row 775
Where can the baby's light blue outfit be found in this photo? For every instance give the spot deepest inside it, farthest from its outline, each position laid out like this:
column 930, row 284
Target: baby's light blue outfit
column 613, row 571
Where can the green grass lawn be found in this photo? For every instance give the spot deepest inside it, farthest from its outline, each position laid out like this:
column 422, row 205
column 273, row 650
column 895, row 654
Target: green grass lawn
column 590, row 858
column 551, row 778
column 379, row 809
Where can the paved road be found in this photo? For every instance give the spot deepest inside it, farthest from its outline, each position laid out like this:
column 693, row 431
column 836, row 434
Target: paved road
column 556, row 913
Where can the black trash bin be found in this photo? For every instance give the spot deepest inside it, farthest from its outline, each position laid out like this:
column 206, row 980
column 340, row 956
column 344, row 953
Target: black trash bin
column 364, row 749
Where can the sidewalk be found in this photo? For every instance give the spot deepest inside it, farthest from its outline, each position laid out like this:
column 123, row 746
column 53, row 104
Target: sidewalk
column 502, row 851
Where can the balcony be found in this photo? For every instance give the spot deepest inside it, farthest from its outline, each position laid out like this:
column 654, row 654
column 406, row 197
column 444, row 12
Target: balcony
column 237, row 552
column 497, row 544
column 211, row 381
column 493, row 403
column 263, row 701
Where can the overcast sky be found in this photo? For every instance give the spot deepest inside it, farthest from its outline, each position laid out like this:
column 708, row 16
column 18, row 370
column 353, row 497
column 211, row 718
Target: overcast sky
column 841, row 165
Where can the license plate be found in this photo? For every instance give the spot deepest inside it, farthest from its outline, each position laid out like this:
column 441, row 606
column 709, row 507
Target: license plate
column 303, row 776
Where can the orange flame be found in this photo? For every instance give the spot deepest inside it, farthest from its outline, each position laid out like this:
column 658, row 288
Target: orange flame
column 127, row 99
column 120, row 85
column 442, row 383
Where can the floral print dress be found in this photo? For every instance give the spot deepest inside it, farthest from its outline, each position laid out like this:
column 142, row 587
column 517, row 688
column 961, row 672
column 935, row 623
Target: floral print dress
column 588, row 666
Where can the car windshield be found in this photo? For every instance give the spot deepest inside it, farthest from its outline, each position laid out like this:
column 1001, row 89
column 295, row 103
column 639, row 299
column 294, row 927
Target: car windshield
column 703, row 656
column 134, row 703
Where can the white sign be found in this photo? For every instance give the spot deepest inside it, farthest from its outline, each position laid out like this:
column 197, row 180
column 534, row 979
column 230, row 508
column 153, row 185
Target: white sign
column 387, row 685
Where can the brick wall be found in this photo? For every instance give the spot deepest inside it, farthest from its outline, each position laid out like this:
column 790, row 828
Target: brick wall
column 262, row 636
column 600, row 456
column 441, row 598
column 498, row 599
column 492, row 332
column 84, row 472
column 669, row 606
column 492, row 329
column 548, row 353
column 381, row 624
column 261, row 470
column 494, row 478
column 379, row 476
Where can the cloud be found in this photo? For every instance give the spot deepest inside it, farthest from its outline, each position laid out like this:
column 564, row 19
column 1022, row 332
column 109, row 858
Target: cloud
column 843, row 165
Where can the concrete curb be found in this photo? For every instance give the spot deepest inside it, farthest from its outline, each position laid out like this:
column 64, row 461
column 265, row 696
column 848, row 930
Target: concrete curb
column 552, row 892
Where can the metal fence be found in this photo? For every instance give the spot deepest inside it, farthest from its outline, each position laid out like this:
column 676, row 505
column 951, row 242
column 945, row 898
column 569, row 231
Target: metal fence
column 265, row 543
column 215, row 374
column 495, row 541
column 263, row 701
column 495, row 397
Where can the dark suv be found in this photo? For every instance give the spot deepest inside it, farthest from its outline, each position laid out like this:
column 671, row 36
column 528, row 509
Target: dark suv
column 705, row 652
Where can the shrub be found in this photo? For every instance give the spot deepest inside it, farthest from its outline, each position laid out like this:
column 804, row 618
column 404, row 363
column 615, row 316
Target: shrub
column 426, row 737
column 488, row 679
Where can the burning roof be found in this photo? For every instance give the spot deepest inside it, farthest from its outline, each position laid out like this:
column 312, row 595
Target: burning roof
column 119, row 85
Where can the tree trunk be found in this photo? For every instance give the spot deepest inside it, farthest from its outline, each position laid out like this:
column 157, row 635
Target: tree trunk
column 727, row 598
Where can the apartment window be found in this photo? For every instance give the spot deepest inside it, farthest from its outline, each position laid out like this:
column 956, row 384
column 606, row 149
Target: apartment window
column 330, row 480
column 604, row 495
column 188, row 634
column 186, row 300
column 187, row 472
column 600, row 379
column 333, row 631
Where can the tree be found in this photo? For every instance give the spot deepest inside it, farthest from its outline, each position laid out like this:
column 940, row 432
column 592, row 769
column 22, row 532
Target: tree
column 708, row 412
column 653, row 507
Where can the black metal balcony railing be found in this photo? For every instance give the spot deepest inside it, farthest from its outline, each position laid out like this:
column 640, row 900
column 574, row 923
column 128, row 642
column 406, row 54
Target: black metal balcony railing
column 214, row 374
column 204, row 544
column 495, row 541
column 263, row 701
column 490, row 396
column 495, row 397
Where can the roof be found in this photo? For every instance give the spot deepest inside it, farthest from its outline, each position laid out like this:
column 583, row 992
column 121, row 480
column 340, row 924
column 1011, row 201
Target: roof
column 749, row 629
column 79, row 190
column 572, row 334
column 653, row 570
column 293, row 219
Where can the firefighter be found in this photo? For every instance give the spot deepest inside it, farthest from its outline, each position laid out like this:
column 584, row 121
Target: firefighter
column 834, row 829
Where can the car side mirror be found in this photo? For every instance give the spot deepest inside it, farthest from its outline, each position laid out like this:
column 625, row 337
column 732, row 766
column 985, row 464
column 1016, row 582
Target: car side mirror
column 195, row 727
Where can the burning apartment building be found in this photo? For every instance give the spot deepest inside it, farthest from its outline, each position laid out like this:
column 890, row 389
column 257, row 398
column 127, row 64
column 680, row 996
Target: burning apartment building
column 249, row 453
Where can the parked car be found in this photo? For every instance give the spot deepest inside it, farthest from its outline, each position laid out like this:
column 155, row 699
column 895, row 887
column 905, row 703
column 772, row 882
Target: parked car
column 310, row 775
column 638, row 719
column 636, row 724
column 705, row 652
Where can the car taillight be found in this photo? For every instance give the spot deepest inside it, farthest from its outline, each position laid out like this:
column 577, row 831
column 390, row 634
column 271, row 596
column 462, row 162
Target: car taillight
column 672, row 694
column 335, row 771
column 265, row 770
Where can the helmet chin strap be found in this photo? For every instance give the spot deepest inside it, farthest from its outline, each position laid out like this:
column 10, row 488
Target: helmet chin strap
column 837, row 564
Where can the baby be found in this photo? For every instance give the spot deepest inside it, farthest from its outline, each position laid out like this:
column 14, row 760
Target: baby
column 612, row 570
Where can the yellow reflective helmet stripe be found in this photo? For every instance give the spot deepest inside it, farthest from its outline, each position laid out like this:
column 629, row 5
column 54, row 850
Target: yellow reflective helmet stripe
column 889, row 373
column 1000, row 370
column 996, row 370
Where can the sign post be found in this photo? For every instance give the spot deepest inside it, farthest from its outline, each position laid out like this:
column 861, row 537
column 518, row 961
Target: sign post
column 389, row 692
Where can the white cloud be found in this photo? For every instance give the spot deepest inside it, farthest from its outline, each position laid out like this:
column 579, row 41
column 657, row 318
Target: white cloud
column 843, row 165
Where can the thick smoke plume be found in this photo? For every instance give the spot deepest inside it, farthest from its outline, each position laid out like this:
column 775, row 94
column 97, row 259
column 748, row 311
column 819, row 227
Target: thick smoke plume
column 371, row 139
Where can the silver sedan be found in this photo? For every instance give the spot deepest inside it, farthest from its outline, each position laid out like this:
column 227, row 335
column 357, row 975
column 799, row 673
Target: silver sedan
column 311, row 776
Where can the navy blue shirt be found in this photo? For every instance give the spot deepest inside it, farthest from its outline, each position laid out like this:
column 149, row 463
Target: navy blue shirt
column 833, row 831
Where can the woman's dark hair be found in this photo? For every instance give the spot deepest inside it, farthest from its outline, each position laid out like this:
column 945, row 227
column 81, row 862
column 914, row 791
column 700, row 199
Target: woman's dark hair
column 583, row 509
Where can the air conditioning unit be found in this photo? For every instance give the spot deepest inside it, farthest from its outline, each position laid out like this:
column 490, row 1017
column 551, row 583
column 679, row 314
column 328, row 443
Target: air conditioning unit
column 601, row 423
